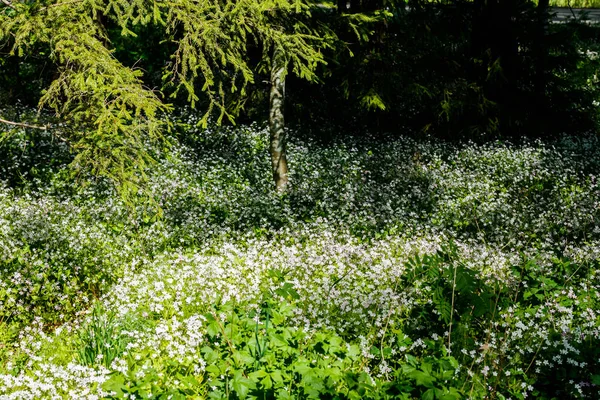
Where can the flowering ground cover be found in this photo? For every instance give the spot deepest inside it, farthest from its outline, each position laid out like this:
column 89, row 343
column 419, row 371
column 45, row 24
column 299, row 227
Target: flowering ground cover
column 393, row 269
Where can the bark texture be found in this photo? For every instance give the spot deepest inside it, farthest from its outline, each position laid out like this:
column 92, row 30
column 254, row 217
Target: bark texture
column 276, row 121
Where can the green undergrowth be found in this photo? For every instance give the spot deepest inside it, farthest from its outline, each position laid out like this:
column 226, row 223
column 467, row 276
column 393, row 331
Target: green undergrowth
column 392, row 269
column 575, row 3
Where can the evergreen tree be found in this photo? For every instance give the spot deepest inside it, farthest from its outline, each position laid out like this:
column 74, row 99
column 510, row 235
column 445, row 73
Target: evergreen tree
column 110, row 114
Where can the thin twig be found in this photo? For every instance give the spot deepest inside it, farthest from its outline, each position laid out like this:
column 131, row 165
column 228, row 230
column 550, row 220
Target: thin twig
column 571, row 8
column 224, row 334
column 8, row 4
column 44, row 128
column 534, row 356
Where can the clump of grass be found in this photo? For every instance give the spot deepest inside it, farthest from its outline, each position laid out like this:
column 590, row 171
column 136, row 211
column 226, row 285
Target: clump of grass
column 100, row 340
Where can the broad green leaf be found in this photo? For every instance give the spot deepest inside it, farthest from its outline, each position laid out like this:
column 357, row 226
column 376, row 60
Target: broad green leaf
column 422, row 378
column 429, row 394
column 241, row 385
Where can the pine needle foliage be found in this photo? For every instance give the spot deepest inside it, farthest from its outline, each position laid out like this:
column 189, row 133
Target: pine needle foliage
column 112, row 118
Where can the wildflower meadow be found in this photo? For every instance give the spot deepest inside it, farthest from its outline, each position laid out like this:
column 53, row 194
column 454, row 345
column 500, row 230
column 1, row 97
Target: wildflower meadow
column 392, row 268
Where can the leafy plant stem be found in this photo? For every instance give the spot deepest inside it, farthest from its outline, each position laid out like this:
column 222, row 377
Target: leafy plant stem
column 451, row 311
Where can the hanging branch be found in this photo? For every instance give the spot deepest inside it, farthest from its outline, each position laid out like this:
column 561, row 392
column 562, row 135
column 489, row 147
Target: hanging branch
column 44, row 128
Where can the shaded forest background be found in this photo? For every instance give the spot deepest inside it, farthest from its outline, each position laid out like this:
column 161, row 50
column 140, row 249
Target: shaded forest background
column 453, row 69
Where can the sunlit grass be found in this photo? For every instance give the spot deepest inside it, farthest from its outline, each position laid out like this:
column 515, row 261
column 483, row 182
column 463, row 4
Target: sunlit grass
column 575, row 3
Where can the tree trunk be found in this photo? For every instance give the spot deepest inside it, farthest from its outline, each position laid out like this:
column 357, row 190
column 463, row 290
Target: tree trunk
column 276, row 121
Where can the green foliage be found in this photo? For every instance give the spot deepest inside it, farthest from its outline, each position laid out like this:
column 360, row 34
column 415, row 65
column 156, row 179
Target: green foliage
column 259, row 353
column 278, row 360
column 458, row 295
column 430, row 377
column 63, row 262
column 256, row 354
column 483, row 312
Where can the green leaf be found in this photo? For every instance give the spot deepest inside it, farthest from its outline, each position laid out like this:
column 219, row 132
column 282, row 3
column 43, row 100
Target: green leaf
column 422, row 378
column 267, row 383
column 442, row 305
column 256, row 375
column 375, row 351
column 210, row 356
column 213, row 369
column 428, row 395
column 115, row 384
column 243, row 358
column 465, row 282
column 241, row 385
column 283, row 394
column 426, row 367
column 302, row 367
column 212, row 329
column 217, row 395
column 287, row 291
column 453, row 394
column 278, row 341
